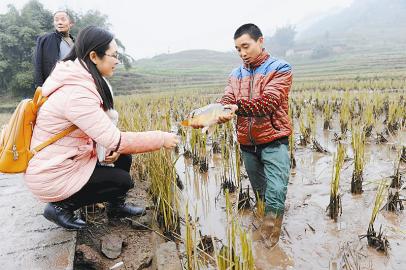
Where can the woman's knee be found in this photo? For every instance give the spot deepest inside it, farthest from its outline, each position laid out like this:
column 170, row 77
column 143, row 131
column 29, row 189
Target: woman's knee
column 124, row 181
column 124, row 162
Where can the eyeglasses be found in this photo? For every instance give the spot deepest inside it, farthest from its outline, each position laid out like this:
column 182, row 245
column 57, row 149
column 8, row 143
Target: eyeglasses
column 113, row 55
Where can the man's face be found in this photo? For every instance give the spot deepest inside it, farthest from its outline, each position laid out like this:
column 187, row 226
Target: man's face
column 62, row 22
column 248, row 48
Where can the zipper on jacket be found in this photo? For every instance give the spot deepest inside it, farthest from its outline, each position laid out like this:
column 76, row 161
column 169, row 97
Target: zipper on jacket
column 250, row 118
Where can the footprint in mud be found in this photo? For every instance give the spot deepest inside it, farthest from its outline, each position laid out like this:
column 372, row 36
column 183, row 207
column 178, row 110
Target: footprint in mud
column 271, row 258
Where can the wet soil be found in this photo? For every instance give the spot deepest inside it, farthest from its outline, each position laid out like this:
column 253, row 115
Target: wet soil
column 310, row 239
column 138, row 243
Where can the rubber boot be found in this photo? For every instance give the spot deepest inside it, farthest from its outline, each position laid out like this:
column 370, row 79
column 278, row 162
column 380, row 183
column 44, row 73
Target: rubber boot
column 266, row 228
column 276, row 232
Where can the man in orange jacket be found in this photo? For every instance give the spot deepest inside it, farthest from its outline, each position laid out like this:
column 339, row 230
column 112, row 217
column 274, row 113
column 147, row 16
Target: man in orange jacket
column 258, row 93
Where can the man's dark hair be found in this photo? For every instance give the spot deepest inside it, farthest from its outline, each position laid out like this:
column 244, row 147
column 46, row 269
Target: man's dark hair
column 93, row 38
column 251, row 29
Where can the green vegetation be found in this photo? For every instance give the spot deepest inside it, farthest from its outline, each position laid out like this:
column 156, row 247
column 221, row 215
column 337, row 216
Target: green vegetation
column 358, row 145
column 19, row 29
column 335, row 206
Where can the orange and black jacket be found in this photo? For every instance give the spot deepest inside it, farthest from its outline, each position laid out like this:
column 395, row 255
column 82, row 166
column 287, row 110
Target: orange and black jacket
column 261, row 92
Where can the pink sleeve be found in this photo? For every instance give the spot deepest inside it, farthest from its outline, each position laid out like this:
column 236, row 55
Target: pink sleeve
column 84, row 111
column 141, row 142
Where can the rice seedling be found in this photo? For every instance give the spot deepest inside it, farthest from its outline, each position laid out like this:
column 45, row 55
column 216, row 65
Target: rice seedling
column 381, row 138
column 260, row 207
column 216, row 147
column 164, row 190
column 305, row 132
column 187, row 153
column 227, row 185
column 344, row 118
column 237, row 252
column 337, row 138
column 327, row 114
column 369, row 119
column 394, row 114
column 206, row 243
column 317, row 146
column 203, row 165
column 358, row 145
column 192, row 259
column 244, row 199
column 311, row 121
column 292, row 141
column 377, row 240
column 335, row 207
column 394, row 203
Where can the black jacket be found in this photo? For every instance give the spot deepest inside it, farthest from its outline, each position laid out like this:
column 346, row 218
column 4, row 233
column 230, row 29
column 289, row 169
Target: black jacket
column 46, row 55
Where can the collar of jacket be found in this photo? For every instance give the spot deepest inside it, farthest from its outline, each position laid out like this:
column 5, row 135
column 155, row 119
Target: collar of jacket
column 60, row 35
column 262, row 57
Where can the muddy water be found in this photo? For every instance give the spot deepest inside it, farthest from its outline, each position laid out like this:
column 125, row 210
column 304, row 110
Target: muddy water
column 310, row 240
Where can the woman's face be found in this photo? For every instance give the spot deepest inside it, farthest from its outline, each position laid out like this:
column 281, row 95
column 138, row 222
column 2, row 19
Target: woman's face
column 107, row 63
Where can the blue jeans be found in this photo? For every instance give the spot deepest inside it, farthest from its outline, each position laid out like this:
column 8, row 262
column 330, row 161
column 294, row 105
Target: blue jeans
column 268, row 170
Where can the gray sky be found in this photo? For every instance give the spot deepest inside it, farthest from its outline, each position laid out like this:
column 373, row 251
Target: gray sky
column 148, row 28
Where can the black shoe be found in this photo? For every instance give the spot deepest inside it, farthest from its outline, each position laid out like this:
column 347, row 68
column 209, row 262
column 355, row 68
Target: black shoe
column 62, row 214
column 119, row 208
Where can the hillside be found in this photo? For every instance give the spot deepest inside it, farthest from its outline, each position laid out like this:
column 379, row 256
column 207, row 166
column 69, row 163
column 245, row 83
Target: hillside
column 366, row 40
column 377, row 22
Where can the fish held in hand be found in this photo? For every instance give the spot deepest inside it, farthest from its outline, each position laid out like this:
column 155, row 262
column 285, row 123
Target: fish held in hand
column 206, row 116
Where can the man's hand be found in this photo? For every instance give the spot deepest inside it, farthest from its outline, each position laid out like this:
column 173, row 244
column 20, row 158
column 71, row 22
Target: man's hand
column 112, row 158
column 223, row 119
column 196, row 126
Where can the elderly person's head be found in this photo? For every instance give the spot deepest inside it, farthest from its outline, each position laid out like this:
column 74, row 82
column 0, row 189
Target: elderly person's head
column 62, row 22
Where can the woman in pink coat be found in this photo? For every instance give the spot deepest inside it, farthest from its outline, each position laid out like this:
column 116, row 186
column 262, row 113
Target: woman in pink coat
column 66, row 173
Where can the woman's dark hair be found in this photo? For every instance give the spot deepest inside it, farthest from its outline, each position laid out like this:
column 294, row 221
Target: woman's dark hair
column 93, row 38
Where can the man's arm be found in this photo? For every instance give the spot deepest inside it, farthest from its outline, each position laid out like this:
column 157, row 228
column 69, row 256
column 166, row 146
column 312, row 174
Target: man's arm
column 275, row 91
column 38, row 62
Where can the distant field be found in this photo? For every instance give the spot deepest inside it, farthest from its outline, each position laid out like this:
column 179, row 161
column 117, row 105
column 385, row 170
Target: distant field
column 365, row 68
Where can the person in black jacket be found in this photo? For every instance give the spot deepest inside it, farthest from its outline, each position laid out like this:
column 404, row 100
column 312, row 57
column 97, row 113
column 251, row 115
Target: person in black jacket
column 52, row 47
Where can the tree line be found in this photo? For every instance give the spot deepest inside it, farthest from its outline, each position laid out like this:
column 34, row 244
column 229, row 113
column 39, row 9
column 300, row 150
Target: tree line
column 19, row 30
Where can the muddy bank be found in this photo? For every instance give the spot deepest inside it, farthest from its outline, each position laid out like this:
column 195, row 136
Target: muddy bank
column 127, row 241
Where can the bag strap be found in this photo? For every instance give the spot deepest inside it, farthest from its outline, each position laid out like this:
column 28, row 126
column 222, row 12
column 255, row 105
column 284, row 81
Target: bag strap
column 53, row 139
column 38, row 101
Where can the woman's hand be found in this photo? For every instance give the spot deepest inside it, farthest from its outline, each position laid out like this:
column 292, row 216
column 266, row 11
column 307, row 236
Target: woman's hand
column 112, row 158
column 223, row 119
column 170, row 140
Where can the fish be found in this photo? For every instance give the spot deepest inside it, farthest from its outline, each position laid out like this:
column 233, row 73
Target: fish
column 206, row 116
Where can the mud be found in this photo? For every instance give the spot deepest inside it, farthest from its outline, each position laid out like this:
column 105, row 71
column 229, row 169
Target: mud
column 310, row 239
column 138, row 241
